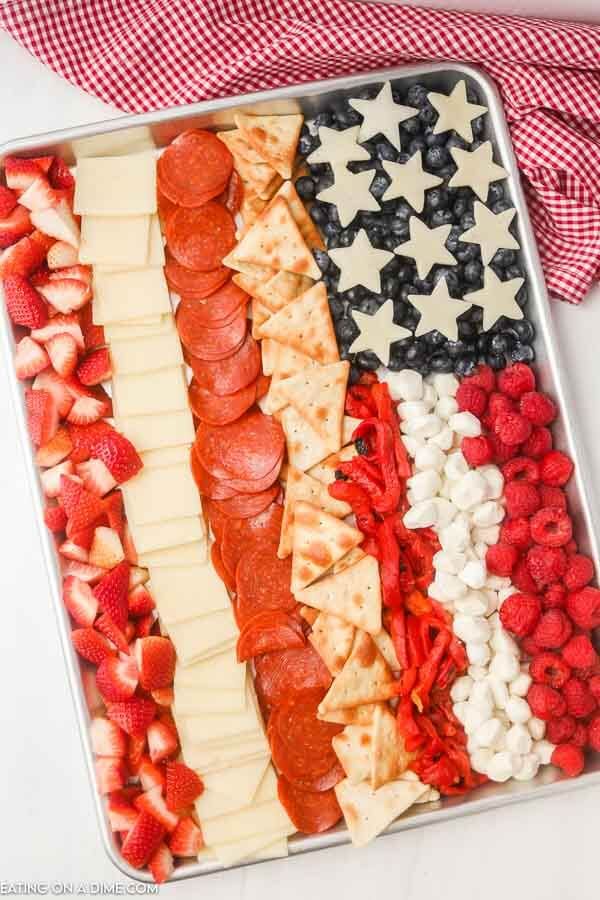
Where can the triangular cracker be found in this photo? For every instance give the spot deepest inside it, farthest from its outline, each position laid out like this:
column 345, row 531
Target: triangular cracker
column 348, row 560
column 246, row 282
column 368, row 812
column 309, row 615
column 251, row 208
column 268, row 350
column 318, row 394
column 325, row 471
column 332, row 638
column 260, row 315
column 385, row 645
column 281, row 289
column 274, row 241
column 353, row 748
column 305, row 447
column 353, row 594
column 287, row 362
column 302, row 487
column 275, row 138
column 319, row 541
column 257, row 273
column 308, row 229
column 387, row 759
column 365, row 678
column 354, row 715
column 305, row 324
column 238, row 146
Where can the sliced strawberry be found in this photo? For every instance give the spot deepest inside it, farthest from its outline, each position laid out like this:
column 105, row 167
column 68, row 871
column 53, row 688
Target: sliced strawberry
column 95, row 477
column 93, row 700
column 142, row 841
column 8, row 201
column 87, row 410
column 25, row 256
column 161, row 864
column 107, row 738
column 133, row 716
column 58, row 222
column 155, row 657
column 111, row 594
column 129, row 634
column 69, row 550
column 80, row 602
column 56, row 449
column 50, row 478
column 93, row 334
column 60, row 175
column 105, row 625
column 62, row 351
column 83, row 537
column 65, row 294
column 82, row 507
column 183, row 786
column 136, row 750
column 61, row 255
column 117, row 679
column 150, row 776
column 152, row 802
column 42, row 416
column 122, row 814
column 144, row 626
column 111, row 774
column 15, row 226
column 90, row 645
column 187, row 838
column 137, row 575
column 140, row 601
column 106, row 550
column 50, row 381
column 163, row 696
column 87, row 573
column 163, row 741
column 24, row 304
column 57, row 325
column 30, row 358
column 55, row 518
column 39, row 195
column 21, row 173
column 118, row 454
column 85, row 437
column 76, row 272
column 96, row 367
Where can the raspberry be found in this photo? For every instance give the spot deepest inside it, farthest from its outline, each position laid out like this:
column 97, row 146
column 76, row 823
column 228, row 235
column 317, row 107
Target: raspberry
column 580, row 700
column 521, row 469
column 477, row 450
column 580, row 571
column 594, row 686
column 516, row 380
column 552, row 496
column 551, row 527
column 556, row 468
column 545, row 702
column 559, row 731
column 584, row 607
column 580, row 736
column 550, row 669
column 546, row 564
column 538, row 408
column 594, row 733
column 482, row 377
column 579, row 652
column 538, row 443
column 529, row 647
column 501, row 559
column 471, row 398
column 502, row 452
column 512, row 428
column 553, row 630
column 497, row 404
column 516, row 532
column 569, row 758
column 521, row 577
column 571, row 548
column 554, row 597
column 520, row 613
column 522, row 499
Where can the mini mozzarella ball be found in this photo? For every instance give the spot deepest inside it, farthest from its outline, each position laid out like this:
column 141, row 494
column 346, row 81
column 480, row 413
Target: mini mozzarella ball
column 443, row 439
column 497, row 582
column 489, row 513
column 446, row 511
column 476, row 715
column 465, row 424
column 478, row 654
column 495, row 480
column 446, row 385
column 489, row 535
column 412, row 409
column 502, row 642
column 446, row 407
column 521, row 684
column 477, row 673
column 518, row 739
column 461, row 689
column 430, row 395
column 450, row 585
column 422, row 426
column 481, row 692
column 505, row 666
column 469, row 491
column 403, row 385
column 412, row 445
column 494, row 620
column 530, row 765
column 481, row 550
column 422, row 515
column 424, row 485
column 460, row 710
column 543, row 750
column 436, row 592
column 537, row 728
column 472, row 604
column 430, row 457
column 445, row 561
column 474, row 574
column 456, row 536
column 499, row 692
column 471, row 629
column 481, row 759
column 490, row 734
column 518, row 710
column 492, row 602
column 503, row 765
column 456, row 466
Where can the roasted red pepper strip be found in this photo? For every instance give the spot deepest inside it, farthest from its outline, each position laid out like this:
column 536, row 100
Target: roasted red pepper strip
column 407, row 725
column 428, row 672
column 416, row 652
column 359, row 501
column 359, row 402
column 383, row 456
column 387, row 413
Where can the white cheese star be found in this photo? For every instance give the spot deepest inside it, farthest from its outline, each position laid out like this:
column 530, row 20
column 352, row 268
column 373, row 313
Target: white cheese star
column 490, row 231
column 476, row 169
column 361, row 263
column 350, row 193
column 426, row 246
column 378, row 332
column 382, row 116
column 439, row 311
column 455, row 111
column 496, row 298
column 409, row 180
column 338, row 147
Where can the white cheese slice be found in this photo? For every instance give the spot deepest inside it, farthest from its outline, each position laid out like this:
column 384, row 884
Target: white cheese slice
column 116, row 185
column 219, row 727
column 156, row 495
column 194, row 639
column 129, row 331
column 196, row 702
column 271, row 844
column 246, row 823
column 149, row 393
column 438, row 311
column 360, row 263
column 159, row 351
column 173, row 533
column 350, row 193
column 186, row 592
column 115, row 143
column 114, row 240
column 155, row 251
column 211, row 758
column 378, row 332
column 126, row 296
column 230, row 789
column 154, row 432
column 277, row 850
column 172, row 557
column 166, row 456
column 222, row 672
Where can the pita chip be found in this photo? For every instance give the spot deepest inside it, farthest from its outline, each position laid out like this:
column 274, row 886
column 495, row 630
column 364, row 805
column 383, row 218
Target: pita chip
column 246, row 282
column 308, row 229
column 260, row 315
column 332, row 639
column 368, row 812
column 251, row 208
column 348, row 560
column 387, row 760
column 305, row 325
column 324, row 471
column 355, row 715
column 268, row 349
column 281, row 288
column 365, row 678
column 318, row 394
column 353, row 748
column 275, row 138
column 274, row 241
column 305, row 447
column 257, row 273
column 290, row 362
column 319, row 541
column 353, row 594
column 300, row 486
column 238, row 146
column 385, row 645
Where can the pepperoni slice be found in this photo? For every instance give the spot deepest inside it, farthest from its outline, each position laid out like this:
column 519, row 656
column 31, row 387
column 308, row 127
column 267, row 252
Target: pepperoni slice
column 301, row 743
column 268, row 631
column 229, row 375
column 310, row 812
column 234, row 193
column 243, row 506
column 239, row 535
column 263, row 581
column 196, row 285
column 215, row 410
column 255, row 486
column 195, row 165
column 200, row 238
column 215, row 558
column 289, row 671
column 207, row 485
column 247, row 449
column 220, row 307
column 165, row 207
column 210, row 344
column 215, row 518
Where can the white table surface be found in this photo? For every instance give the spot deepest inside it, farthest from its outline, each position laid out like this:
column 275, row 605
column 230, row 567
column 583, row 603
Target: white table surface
column 544, row 849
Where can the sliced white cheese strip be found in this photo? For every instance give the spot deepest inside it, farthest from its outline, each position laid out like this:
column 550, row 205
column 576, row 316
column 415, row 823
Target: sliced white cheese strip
column 128, row 331
column 245, row 823
column 192, row 701
column 213, row 758
column 149, row 393
column 173, row 557
column 186, row 592
column 114, row 240
column 277, row 850
column 135, row 294
column 116, row 185
column 223, row 672
column 156, row 495
column 197, row 637
column 115, row 143
column 159, row 351
column 173, row 533
column 167, row 456
column 154, row 432
column 212, row 651
column 156, row 248
column 251, row 847
column 219, row 727
column 218, row 798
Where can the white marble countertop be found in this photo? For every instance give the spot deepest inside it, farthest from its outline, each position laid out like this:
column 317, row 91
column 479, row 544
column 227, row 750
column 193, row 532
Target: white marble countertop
column 543, row 849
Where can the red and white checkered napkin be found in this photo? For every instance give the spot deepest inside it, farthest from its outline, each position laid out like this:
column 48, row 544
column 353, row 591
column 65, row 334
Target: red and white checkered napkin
column 146, row 54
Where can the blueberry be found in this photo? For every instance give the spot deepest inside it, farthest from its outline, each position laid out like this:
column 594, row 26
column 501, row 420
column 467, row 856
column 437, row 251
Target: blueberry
column 318, row 214
column 423, row 285
column 336, row 305
column 390, row 242
column 441, row 362
column 417, row 145
column 369, row 219
column 500, row 206
column 386, row 151
column 522, row 296
column 433, row 140
column 435, row 338
column 354, row 375
column 455, row 140
column 379, row 186
column 417, row 95
column 452, row 279
column 524, row 330
column 436, row 198
column 446, row 172
column 376, row 235
column 390, row 286
column 366, row 92
column 347, row 237
column 409, row 129
column 428, row 114
column 415, row 354
column 403, row 210
column 397, row 358
column 436, row 157
column 402, row 270
column 461, row 206
column 348, row 117
column 306, row 188
column 332, row 244
column 466, row 252
column 441, row 217
column 467, row 220
column 504, row 258
column 346, row 330
column 454, row 349
column 452, row 239
column 473, row 272
column 503, row 342
column 361, row 165
column 495, row 360
column 307, row 142
column 411, row 318
column 371, row 147
column 478, row 126
column 324, row 118
column 466, row 330
column 514, row 271
column 331, row 232
column 355, row 295
column 482, row 344
column 496, row 192
column 366, row 359
column 333, row 215
column 362, row 448
column 405, row 290
column 321, row 259
column 465, row 364
column 370, row 304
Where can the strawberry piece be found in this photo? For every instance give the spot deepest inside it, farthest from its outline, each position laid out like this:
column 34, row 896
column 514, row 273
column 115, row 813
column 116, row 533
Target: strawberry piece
column 24, row 304
column 39, row 195
column 118, row 454
column 60, row 175
column 79, row 599
column 122, row 814
column 137, row 576
column 21, row 173
column 142, row 841
column 93, row 335
column 164, row 696
column 117, row 679
column 140, row 601
column 116, row 635
column 183, row 786
column 62, row 351
column 83, row 537
column 61, row 255
column 160, row 864
column 129, row 550
column 50, row 381
column 55, row 518
column 155, row 657
column 93, row 699
column 111, row 774
column 65, row 294
column 75, row 271
column 136, row 751
column 30, row 358
column 25, row 256
column 14, row 227
column 96, row 367
column 56, row 449
column 106, row 550
column 87, row 410
column 58, row 325
column 90, row 645
column 82, row 507
column 134, row 716
column 107, row 738
column 163, row 741
column 152, row 802
column 111, row 594
column 70, row 550
column 187, row 838
column 8, row 201
column 144, row 625
column 95, row 477
column 58, row 222
column 114, row 512
column 42, row 416
column 87, row 573
column 150, row 776
column 85, row 437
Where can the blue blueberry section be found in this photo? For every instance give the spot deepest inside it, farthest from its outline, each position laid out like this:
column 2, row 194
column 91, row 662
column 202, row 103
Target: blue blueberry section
column 508, row 340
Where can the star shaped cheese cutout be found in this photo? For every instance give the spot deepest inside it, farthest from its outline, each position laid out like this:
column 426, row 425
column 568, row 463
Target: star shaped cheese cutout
column 350, row 193
column 455, row 111
column 496, row 298
column 338, row 147
column 382, row 116
column 361, row 263
column 490, row 231
column 378, row 332
column 427, row 246
column 409, row 180
column 439, row 311
column 476, row 169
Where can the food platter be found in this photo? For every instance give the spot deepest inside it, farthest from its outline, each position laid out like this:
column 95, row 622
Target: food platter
column 145, row 133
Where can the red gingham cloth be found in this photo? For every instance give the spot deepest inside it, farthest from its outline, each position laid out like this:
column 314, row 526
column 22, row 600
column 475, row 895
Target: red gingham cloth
column 145, row 54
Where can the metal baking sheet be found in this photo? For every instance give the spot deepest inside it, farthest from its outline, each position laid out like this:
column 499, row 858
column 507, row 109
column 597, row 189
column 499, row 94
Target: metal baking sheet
column 155, row 130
